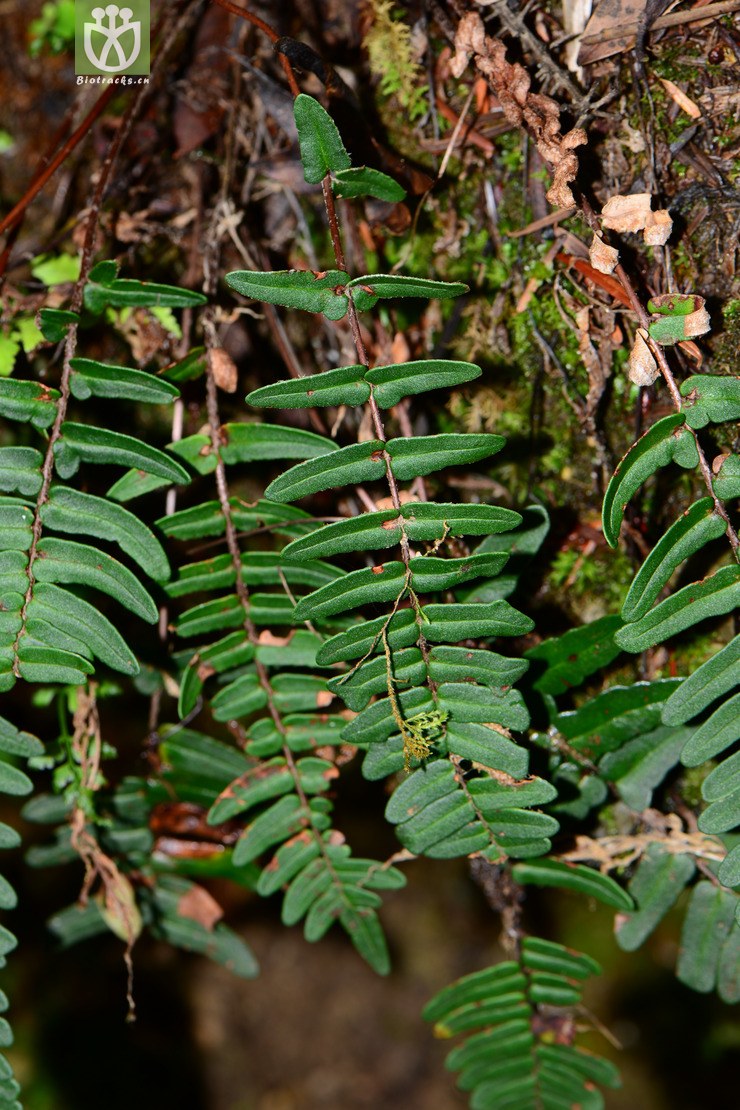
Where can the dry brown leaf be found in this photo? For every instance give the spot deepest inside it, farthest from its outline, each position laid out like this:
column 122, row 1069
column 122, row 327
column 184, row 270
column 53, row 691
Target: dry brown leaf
column 658, row 228
column 404, row 496
column 198, row 905
column 603, row 257
column 627, row 213
column 685, row 103
column 697, row 323
column 610, row 15
column 271, row 640
column 643, row 369
column 539, row 114
column 224, row 369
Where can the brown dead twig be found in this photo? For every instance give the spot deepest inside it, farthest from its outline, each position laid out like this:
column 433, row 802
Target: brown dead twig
column 116, row 898
column 539, row 114
column 613, row 852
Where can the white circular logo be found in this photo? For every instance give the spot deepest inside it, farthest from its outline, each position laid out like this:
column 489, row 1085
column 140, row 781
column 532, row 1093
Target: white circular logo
column 111, row 25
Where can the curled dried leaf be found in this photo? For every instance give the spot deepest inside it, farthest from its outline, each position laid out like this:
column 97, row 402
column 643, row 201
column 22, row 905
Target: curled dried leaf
column 627, row 213
column 658, row 228
column 539, row 114
column 603, row 257
column 224, row 369
column 118, row 908
column 198, row 905
column 684, row 102
column 643, row 369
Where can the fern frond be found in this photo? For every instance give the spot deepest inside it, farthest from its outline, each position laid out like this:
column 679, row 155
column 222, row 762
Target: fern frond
column 516, row 1020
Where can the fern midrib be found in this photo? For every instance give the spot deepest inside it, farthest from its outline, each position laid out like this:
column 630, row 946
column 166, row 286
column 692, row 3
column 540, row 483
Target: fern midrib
column 242, row 591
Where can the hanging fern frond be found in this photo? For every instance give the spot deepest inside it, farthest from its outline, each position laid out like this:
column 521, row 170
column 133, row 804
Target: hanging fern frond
column 518, row 1030
column 19, row 746
column 50, row 633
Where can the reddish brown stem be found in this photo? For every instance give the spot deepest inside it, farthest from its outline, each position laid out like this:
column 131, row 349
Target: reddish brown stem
column 273, row 36
column 37, row 185
column 660, row 357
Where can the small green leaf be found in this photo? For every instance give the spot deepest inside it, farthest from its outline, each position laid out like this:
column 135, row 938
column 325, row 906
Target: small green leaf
column 486, row 747
column 683, row 316
column 241, row 443
column 174, row 926
column 376, row 723
column 98, row 379
column 366, row 637
column 484, row 704
column 460, row 664
column 13, row 780
column 723, row 780
column 656, row 885
column 612, row 718
column 28, row 401
column 641, row 764
column 367, row 936
column 573, row 876
column 706, row 927
column 572, row 657
column 721, row 816
column 384, row 583
column 104, row 271
column 38, row 663
column 283, row 819
column 322, row 149
column 726, row 482
column 406, row 379
column 452, row 623
column 728, row 972
column 20, row 470
column 69, row 510
column 685, row 537
column 549, row 956
column 304, row 289
column 54, row 323
column 192, row 758
column 368, row 290
column 57, row 270
column 84, row 443
column 420, row 521
column 711, row 397
column 346, row 386
column 729, row 870
column 187, row 369
column 22, row 744
column 127, row 292
column 66, row 561
column 361, row 462
column 715, row 734
column 78, row 618
column 474, row 988
column 421, row 455
column 711, row 680
column 362, row 181
column 241, row 697
column 667, row 441
column 715, row 595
